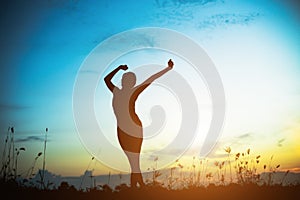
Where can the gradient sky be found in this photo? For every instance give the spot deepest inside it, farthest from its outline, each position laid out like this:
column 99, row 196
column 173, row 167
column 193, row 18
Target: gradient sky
column 255, row 46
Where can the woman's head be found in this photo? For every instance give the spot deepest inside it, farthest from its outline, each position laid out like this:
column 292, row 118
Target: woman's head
column 128, row 80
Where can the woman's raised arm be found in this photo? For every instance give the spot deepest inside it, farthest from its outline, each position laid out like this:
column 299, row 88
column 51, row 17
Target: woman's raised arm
column 148, row 81
column 109, row 76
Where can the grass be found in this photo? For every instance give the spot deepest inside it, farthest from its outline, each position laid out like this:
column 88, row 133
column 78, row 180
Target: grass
column 10, row 154
column 237, row 176
column 231, row 191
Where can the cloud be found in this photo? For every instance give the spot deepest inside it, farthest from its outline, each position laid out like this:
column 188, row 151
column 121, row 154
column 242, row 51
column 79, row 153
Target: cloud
column 235, row 143
column 227, row 19
column 166, row 3
column 89, row 72
column 279, row 142
column 244, row 136
column 295, row 169
column 12, row 107
column 30, row 138
column 202, row 14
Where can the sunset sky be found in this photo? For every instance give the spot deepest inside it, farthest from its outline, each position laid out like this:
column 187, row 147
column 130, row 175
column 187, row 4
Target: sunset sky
column 254, row 45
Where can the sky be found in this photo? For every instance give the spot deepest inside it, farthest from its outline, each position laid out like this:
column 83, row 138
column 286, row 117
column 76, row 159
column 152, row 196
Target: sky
column 254, row 46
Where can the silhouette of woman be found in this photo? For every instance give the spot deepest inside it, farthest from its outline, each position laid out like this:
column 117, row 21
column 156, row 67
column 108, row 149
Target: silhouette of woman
column 129, row 126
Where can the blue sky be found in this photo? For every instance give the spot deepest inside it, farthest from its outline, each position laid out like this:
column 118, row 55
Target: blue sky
column 255, row 46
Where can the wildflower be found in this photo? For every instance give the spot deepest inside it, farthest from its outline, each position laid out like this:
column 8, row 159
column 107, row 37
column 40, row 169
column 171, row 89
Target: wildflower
column 237, row 156
column 216, row 163
column 227, row 150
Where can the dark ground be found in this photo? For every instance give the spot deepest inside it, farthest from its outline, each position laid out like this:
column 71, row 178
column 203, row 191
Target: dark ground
column 232, row 192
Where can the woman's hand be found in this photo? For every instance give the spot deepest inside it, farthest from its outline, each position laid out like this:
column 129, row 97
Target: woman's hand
column 123, row 67
column 170, row 64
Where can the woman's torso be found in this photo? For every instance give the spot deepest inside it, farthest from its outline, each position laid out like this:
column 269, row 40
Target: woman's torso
column 124, row 108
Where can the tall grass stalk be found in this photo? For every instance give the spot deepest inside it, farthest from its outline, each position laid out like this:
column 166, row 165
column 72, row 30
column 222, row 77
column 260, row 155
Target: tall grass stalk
column 16, row 161
column 4, row 157
column 13, row 149
column 31, row 169
column 8, row 156
column 44, row 162
column 10, row 152
column 228, row 151
column 81, row 182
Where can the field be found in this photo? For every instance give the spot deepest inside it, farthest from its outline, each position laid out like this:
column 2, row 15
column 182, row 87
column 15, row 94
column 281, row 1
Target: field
column 232, row 191
column 235, row 177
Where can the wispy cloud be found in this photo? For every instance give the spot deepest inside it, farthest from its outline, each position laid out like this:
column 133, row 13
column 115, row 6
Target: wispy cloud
column 295, row 169
column 30, row 138
column 166, row 3
column 202, row 14
column 244, row 136
column 181, row 12
column 227, row 19
column 279, row 142
column 10, row 107
column 90, row 72
column 235, row 143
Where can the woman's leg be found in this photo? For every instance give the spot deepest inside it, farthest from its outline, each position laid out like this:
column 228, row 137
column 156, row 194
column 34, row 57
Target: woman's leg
column 132, row 147
column 136, row 175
